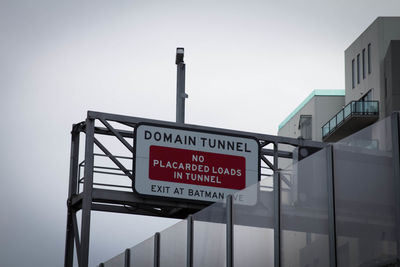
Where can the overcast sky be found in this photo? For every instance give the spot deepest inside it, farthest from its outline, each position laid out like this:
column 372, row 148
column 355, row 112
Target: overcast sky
column 249, row 64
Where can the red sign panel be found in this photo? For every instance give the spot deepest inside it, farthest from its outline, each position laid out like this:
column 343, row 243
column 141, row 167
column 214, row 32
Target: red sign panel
column 197, row 167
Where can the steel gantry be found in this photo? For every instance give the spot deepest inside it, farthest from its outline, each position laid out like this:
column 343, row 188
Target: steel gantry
column 107, row 195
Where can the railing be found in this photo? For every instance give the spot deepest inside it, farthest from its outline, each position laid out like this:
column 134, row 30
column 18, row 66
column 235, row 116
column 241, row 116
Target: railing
column 353, row 108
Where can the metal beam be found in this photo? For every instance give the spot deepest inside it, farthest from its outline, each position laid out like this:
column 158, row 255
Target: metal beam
column 189, row 244
column 113, row 158
column 261, row 137
column 117, row 134
column 105, row 131
column 229, row 231
column 277, row 210
column 281, row 154
column 331, row 206
column 87, row 193
column 130, row 198
column 266, row 161
column 76, row 236
column 72, row 190
column 157, row 250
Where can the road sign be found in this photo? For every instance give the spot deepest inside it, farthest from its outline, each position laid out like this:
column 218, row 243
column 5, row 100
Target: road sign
column 193, row 164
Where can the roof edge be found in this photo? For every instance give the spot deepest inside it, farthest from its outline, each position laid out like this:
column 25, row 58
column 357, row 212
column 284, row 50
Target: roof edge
column 317, row 92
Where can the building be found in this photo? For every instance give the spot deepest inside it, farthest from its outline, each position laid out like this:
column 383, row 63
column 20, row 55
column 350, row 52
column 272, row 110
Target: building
column 372, row 88
column 307, row 119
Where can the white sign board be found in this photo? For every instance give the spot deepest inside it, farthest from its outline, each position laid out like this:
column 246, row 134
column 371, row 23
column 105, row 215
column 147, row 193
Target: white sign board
column 197, row 165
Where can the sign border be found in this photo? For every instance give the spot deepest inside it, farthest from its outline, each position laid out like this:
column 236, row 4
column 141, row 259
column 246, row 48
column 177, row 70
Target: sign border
column 187, row 128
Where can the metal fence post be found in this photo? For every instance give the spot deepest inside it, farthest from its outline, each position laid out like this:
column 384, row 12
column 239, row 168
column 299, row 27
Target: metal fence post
column 87, row 193
column 331, row 207
column 189, row 245
column 396, row 171
column 277, row 210
column 127, row 257
column 157, row 250
column 229, row 231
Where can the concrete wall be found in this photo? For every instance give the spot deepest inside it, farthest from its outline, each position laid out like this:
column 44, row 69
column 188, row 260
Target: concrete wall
column 378, row 34
column 325, row 108
column 321, row 108
column 392, row 76
column 291, row 128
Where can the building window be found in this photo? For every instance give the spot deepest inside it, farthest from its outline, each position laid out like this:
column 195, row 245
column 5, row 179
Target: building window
column 352, row 74
column 358, row 68
column 305, row 127
column 363, row 63
column 369, row 58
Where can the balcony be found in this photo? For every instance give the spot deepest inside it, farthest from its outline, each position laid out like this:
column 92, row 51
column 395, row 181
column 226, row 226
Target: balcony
column 352, row 118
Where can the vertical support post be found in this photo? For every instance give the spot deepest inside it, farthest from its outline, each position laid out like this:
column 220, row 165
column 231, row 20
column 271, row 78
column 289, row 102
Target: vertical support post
column 157, row 250
column 72, row 190
column 87, row 193
column 331, row 207
column 127, row 262
column 277, row 210
column 189, row 245
column 229, row 231
column 180, row 86
column 396, row 171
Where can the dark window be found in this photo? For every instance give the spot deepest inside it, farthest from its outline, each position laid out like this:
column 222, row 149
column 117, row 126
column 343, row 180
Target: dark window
column 363, row 63
column 352, row 74
column 305, row 127
column 369, row 58
column 358, row 68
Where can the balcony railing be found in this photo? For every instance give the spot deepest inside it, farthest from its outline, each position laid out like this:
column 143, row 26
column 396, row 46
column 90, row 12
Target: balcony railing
column 354, row 108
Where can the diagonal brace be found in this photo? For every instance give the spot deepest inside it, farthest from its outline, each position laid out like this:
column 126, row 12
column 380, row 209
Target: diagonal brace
column 117, row 134
column 267, row 162
column 113, row 158
column 76, row 236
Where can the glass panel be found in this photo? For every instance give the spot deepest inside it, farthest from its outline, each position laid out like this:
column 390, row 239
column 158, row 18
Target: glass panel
column 332, row 123
column 143, row 254
column 347, row 111
column 173, row 245
column 117, row 261
column 365, row 198
column 339, row 117
column 325, row 129
column 304, row 213
column 209, row 236
column 254, row 227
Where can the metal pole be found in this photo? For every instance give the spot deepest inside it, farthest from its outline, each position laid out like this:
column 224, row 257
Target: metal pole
column 180, row 86
column 157, row 250
column 73, row 177
column 229, row 231
column 396, row 171
column 331, row 207
column 189, row 245
column 277, row 210
column 87, row 193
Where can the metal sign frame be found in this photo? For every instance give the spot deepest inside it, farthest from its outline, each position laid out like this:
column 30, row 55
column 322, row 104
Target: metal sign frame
column 94, row 198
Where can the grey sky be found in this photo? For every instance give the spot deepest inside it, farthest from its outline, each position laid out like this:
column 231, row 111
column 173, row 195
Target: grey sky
column 249, row 64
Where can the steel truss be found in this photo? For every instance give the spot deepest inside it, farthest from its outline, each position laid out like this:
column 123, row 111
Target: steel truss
column 95, row 197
